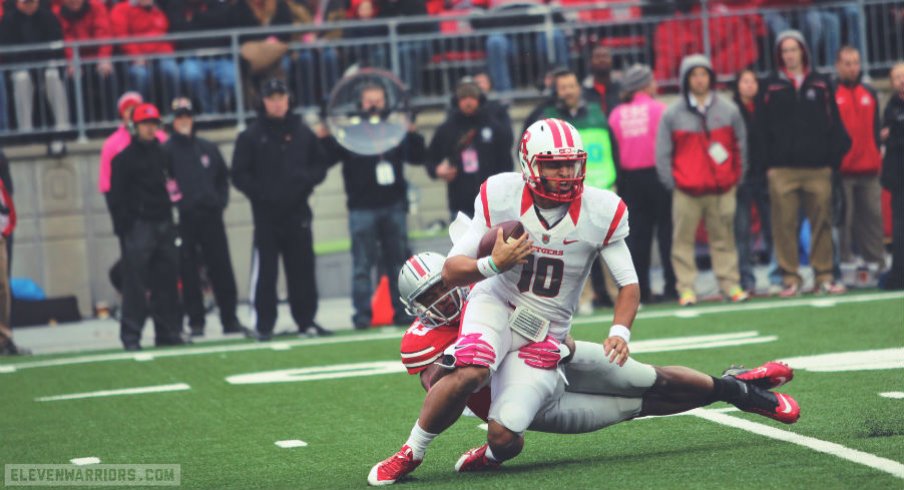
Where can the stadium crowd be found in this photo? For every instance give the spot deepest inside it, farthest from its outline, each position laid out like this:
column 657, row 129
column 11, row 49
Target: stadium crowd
column 797, row 158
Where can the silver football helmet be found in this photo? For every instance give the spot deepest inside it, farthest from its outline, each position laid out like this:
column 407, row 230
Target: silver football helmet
column 422, row 291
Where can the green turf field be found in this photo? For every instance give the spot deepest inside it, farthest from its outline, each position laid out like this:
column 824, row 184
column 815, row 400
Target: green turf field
column 223, row 435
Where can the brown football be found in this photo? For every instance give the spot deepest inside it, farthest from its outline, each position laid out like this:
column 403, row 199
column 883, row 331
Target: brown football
column 510, row 230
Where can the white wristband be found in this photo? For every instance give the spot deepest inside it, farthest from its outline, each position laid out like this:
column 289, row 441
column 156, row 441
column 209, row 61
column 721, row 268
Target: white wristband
column 484, row 267
column 620, row 331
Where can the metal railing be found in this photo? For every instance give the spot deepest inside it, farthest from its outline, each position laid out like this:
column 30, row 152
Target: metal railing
column 514, row 49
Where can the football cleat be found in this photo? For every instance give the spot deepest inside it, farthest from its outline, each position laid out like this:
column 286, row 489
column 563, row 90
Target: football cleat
column 395, row 467
column 476, row 460
column 776, row 406
column 768, row 376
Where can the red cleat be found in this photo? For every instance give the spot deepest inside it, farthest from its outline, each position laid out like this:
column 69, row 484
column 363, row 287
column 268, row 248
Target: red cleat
column 780, row 407
column 393, row 468
column 476, row 460
column 768, row 376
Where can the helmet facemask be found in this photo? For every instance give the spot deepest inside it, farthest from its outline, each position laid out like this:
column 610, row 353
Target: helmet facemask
column 563, row 189
column 436, row 306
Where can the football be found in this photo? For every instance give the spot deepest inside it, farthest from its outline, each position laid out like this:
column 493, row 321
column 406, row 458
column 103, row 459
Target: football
column 510, row 230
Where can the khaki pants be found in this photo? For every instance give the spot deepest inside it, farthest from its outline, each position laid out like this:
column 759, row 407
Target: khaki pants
column 717, row 211
column 862, row 219
column 810, row 189
column 6, row 333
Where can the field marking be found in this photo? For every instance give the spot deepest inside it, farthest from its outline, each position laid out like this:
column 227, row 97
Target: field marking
column 865, row 360
column 84, row 461
column 891, row 467
column 125, row 391
column 291, row 443
column 895, row 395
column 596, row 319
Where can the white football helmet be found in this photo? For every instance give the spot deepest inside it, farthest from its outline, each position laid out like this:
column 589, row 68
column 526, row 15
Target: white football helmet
column 553, row 140
column 423, row 294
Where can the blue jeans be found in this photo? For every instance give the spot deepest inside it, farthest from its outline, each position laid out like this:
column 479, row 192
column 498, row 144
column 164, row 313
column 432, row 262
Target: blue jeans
column 821, row 28
column 412, row 58
column 377, row 233
column 4, row 104
column 310, row 75
column 195, row 73
column 502, row 50
column 757, row 193
column 140, row 78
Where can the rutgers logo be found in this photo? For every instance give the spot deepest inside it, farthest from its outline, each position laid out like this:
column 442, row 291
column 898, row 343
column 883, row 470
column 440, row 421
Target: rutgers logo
column 524, row 140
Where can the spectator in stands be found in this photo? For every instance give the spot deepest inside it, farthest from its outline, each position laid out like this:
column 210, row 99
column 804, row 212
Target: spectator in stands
column 143, row 18
column 203, row 179
column 701, row 154
column 377, row 209
column 821, row 26
column 634, row 123
column 7, row 223
column 753, row 189
column 141, row 197
column 371, row 54
column 805, row 140
column 316, row 67
column 413, row 55
column 29, row 23
column 503, row 50
column 893, row 175
column 277, row 162
column 468, row 147
column 858, row 106
column 88, row 20
column 600, row 79
column 210, row 80
column 264, row 57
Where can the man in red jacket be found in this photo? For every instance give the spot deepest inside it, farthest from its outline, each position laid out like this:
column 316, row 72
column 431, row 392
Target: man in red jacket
column 859, row 110
column 88, row 20
column 143, row 18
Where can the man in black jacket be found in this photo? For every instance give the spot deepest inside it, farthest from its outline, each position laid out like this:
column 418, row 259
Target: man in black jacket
column 377, row 210
column 203, row 179
column 893, row 175
column 468, row 147
column 805, row 141
column 277, row 162
column 142, row 191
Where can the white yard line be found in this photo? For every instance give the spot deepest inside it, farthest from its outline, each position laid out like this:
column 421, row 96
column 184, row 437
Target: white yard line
column 190, row 351
column 288, row 444
column 895, row 395
column 85, row 461
column 893, row 468
column 125, row 391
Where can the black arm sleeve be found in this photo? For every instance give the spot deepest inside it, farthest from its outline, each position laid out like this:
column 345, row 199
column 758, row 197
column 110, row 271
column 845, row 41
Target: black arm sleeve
column 242, row 167
column 221, row 181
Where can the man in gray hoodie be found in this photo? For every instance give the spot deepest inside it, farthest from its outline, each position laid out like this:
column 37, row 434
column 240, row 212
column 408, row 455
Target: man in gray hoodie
column 701, row 153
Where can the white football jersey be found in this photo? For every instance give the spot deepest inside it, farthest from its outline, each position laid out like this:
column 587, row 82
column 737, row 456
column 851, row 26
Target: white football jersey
column 550, row 283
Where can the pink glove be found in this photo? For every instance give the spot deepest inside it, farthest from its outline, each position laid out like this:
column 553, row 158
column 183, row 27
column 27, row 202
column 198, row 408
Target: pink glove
column 545, row 354
column 471, row 350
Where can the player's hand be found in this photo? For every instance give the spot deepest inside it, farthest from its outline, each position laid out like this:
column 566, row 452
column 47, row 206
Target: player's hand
column 616, row 349
column 883, row 134
column 509, row 254
column 546, row 354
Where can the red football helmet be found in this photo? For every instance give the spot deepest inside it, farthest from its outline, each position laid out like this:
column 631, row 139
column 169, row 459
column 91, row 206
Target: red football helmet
column 553, row 140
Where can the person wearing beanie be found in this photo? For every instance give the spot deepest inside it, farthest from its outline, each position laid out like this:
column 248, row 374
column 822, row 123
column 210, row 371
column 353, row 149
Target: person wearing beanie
column 468, row 147
column 141, row 198
column 276, row 163
column 701, row 155
column 634, row 124
column 805, row 142
column 203, row 178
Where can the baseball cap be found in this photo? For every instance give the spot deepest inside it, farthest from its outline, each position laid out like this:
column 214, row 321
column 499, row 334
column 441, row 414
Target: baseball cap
column 181, row 106
column 144, row 113
column 128, row 100
column 274, row 86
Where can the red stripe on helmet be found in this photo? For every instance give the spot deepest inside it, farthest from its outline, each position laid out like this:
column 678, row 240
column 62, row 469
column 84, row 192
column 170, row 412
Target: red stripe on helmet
column 555, row 131
column 569, row 140
column 414, row 263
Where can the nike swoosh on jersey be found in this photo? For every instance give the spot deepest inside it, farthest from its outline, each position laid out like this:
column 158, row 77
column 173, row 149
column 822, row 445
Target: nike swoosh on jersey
column 568, row 242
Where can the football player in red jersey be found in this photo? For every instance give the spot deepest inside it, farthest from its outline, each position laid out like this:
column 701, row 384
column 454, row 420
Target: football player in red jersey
column 520, row 308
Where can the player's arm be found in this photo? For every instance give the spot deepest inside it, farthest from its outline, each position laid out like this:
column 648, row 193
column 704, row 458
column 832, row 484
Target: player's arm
column 618, row 259
column 462, row 270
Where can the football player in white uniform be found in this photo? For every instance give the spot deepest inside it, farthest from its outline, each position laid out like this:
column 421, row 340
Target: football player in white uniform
column 598, row 393
column 526, row 292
